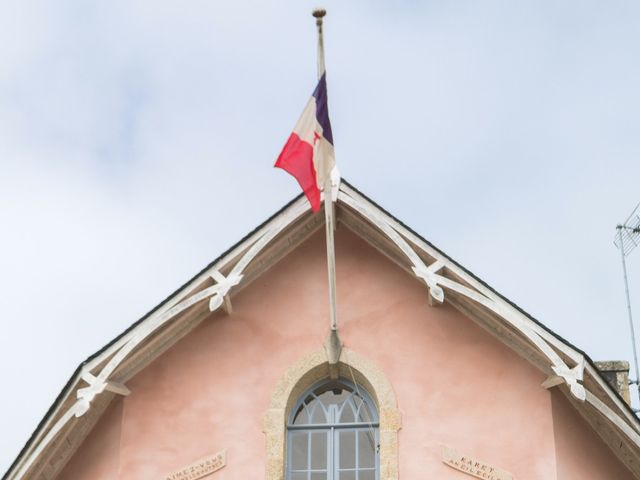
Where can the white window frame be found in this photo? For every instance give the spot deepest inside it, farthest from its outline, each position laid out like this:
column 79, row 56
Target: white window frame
column 333, row 430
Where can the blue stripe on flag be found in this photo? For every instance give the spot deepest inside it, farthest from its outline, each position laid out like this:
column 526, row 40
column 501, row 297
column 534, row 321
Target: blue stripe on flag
column 322, row 109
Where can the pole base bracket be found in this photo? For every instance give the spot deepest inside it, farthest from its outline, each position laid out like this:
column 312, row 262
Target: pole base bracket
column 333, row 346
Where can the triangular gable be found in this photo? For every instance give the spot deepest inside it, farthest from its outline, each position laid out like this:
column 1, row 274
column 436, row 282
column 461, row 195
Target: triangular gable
column 104, row 374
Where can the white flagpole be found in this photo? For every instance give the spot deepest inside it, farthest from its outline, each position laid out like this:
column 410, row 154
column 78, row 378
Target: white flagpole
column 331, row 253
column 328, row 198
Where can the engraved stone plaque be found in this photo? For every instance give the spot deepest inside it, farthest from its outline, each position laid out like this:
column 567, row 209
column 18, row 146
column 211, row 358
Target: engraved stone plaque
column 201, row 468
column 473, row 467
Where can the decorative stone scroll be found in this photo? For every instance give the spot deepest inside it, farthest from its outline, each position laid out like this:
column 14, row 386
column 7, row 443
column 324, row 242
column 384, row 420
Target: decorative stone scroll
column 473, row 467
column 201, row 468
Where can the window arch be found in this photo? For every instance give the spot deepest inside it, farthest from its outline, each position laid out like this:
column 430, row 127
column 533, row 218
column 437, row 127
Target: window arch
column 332, row 434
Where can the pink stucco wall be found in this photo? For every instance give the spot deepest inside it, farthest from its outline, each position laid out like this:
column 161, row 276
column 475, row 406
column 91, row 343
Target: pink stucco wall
column 578, row 450
column 99, row 456
column 455, row 384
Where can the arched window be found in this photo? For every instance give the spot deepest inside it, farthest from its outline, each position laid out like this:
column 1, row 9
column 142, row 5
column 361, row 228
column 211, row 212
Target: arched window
column 332, row 434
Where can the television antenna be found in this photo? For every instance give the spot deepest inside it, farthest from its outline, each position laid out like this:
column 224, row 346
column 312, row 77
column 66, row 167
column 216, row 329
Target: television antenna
column 627, row 239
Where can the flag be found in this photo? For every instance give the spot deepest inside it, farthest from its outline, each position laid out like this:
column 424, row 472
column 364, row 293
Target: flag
column 308, row 154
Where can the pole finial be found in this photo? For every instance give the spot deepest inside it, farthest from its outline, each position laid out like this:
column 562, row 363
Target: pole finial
column 319, row 13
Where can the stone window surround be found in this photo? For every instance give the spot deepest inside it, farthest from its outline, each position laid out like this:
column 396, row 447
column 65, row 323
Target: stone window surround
column 309, row 370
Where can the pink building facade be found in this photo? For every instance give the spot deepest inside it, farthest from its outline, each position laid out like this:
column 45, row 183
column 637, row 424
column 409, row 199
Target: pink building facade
column 224, row 372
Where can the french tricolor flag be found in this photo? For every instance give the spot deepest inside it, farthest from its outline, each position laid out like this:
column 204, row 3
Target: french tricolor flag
column 308, row 154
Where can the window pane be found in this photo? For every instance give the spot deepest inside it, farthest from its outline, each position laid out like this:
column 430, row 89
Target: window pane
column 299, row 450
column 366, row 449
column 347, row 441
column 319, row 476
column 313, row 405
column 347, row 475
column 318, row 417
column 299, row 476
column 318, row 451
column 364, row 415
column 334, row 393
column 367, row 475
column 347, row 415
column 301, row 416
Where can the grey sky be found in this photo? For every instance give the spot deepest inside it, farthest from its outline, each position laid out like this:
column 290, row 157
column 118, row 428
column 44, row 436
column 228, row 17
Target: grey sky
column 137, row 140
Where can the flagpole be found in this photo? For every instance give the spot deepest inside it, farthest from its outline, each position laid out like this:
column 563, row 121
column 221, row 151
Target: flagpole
column 319, row 14
column 331, row 253
column 333, row 342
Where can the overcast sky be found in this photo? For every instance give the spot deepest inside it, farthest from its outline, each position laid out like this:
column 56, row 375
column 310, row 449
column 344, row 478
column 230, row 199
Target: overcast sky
column 137, row 140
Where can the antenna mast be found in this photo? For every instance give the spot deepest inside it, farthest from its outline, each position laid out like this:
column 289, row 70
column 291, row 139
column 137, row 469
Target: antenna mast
column 627, row 239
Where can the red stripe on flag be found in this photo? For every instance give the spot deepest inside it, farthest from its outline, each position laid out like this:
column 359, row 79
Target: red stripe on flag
column 297, row 159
